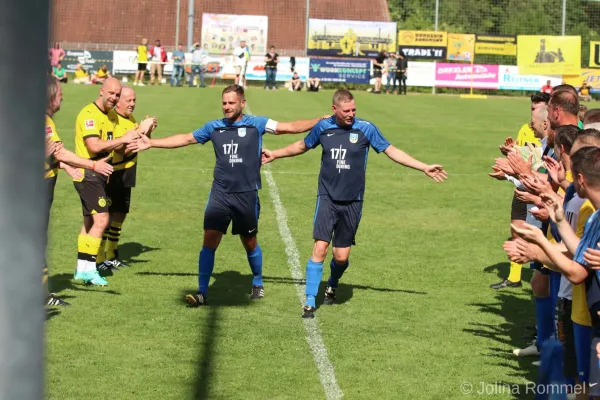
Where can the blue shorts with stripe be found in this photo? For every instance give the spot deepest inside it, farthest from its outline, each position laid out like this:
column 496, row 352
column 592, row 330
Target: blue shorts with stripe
column 339, row 219
column 241, row 209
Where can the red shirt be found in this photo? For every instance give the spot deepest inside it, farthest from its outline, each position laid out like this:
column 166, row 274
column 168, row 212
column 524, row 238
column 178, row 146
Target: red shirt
column 547, row 89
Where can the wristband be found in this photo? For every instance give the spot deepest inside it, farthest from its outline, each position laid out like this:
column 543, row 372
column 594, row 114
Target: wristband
column 94, row 166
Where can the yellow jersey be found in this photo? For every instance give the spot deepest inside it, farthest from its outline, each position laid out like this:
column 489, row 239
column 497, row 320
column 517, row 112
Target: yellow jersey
column 101, row 74
column 580, row 313
column 584, row 91
column 142, row 53
column 93, row 122
column 51, row 164
column 125, row 163
column 79, row 73
column 527, row 135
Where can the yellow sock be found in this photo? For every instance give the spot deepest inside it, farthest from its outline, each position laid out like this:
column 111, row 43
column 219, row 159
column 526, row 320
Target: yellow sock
column 93, row 246
column 101, row 256
column 515, row 272
column 114, row 234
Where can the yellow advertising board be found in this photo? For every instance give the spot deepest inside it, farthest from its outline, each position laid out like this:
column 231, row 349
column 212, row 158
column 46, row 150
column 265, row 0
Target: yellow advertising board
column 422, row 38
column 590, row 76
column 549, row 55
column 496, row 44
column 461, row 47
column 595, row 54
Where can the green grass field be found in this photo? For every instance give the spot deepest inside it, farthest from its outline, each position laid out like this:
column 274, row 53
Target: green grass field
column 416, row 318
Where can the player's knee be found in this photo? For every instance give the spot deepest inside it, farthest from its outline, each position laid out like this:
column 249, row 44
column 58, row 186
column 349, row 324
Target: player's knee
column 101, row 220
column 320, row 251
column 212, row 239
column 249, row 243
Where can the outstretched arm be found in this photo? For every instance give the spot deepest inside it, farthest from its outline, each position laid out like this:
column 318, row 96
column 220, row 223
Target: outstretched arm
column 169, row 142
column 292, row 150
column 298, row 126
column 434, row 171
column 73, row 160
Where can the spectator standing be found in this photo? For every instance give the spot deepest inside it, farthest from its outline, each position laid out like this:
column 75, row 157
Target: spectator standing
column 390, row 66
column 56, row 54
column 198, row 61
column 584, row 92
column 59, row 73
column 158, row 57
column 271, row 60
column 142, row 59
column 241, row 55
column 178, row 58
column 401, row 71
column 378, row 66
column 547, row 88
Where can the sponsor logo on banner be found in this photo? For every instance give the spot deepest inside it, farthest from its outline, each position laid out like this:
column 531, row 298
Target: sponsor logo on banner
column 336, row 70
column 340, row 38
column 463, row 76
column 496, row 44
column 221, row 33
column 461, row 47
column 90, row 60
column 595, row 54
column 551, row 55
column 422, row 39
column 432, row 53
column 255, row 70
column 510, row 79
column 590, row 76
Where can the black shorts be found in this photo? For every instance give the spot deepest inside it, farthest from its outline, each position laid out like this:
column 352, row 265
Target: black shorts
column 377, row 73
column 536, row 265
column 92, row 192
column 339, row 219
column 518, row 209
column 141, row 66
column 118, row 193
column 566, row 335
column 242, row 209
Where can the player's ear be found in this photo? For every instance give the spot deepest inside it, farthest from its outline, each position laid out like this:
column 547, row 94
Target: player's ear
column 333, row 108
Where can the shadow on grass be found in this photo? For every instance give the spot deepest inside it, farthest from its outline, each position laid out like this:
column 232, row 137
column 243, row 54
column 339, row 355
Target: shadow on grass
column 344, row 291
column 503, row 269
column 517, row 311
column 128, row 251
column 61, row 282
column 51, row 313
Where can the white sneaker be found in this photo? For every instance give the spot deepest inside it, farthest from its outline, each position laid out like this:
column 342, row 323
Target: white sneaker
column 530, row 351
column 536, row 363
column 141, row 84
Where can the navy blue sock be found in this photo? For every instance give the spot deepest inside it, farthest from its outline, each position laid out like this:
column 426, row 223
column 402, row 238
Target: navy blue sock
column 255, row 261
column 337, row 270
column 206, row 263
column 545, row 321
column 314, row 273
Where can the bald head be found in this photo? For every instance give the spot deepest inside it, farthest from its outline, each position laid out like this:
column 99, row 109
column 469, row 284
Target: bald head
column 126, row 104
column 110, row 92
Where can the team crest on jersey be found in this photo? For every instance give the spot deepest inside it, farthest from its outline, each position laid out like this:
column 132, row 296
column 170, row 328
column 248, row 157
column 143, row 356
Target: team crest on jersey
column 90, row 124
column 241, row 132
column 353, row 137
column 49, row 131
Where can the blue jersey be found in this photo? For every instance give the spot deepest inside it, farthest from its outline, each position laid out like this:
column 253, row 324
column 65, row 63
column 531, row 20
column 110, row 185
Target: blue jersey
column 237, row 151
column 344, row 157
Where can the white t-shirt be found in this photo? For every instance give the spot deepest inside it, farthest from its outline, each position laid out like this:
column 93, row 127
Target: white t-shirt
column 157, row 53
column 571, row 214
column 239, row 55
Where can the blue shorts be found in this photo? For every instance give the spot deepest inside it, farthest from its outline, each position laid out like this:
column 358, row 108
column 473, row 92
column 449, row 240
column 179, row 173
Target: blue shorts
column 339, row 219
column 583, row 339
column 240, row 209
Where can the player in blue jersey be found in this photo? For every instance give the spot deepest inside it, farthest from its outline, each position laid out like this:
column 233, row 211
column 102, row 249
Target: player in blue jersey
column 237, row 141
column 345, row 140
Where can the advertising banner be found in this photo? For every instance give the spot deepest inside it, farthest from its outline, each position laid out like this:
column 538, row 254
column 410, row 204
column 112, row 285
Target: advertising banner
column 339, row 38
column 221, row 33
column 418, row 74
column 256, row 69
column 423, row 44
column 461, row 76
column 505, row 45
column 461, row 47
column 551, row 55
column 91, row 60
column 590, row 76
column 337, row 70
column 511, row 79
column 595, row 54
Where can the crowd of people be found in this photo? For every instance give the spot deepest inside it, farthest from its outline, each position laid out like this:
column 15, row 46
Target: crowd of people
column 554, row 167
